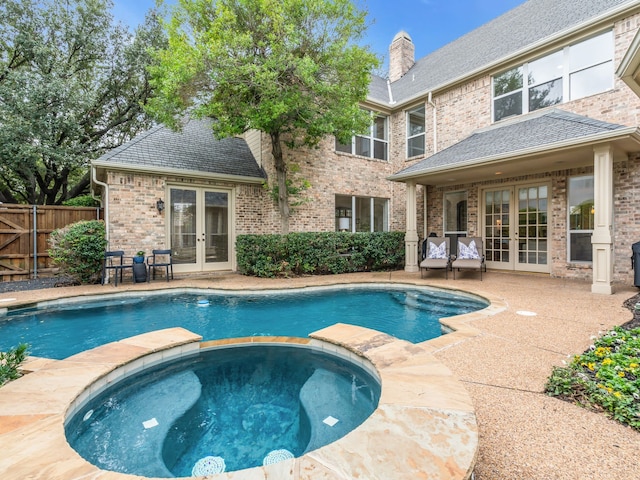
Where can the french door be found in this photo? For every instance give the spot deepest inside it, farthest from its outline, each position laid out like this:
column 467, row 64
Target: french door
column 516, row 230
column 200, row 229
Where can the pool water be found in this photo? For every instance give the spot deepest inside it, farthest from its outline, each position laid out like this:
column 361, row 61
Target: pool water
column 407, row 313
column 237, row 404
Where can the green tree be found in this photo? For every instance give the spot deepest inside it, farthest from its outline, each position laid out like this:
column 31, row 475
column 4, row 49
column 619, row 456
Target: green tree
column 72, row 85
column 289, row 68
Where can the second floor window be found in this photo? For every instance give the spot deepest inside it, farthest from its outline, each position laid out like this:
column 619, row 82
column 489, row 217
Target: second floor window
column 415, row 132
column 574, row 72
column 373, row 143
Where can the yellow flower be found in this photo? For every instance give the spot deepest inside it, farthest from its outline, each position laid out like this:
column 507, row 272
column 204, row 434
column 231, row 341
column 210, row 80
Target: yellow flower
column 633, row 365
column 617, row 394
column 591, row 366
column 621, row 374
column 607, row 361
column 601, row 351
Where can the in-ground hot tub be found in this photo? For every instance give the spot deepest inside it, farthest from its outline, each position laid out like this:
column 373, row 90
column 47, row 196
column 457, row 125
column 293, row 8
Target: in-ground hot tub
column 224, row 409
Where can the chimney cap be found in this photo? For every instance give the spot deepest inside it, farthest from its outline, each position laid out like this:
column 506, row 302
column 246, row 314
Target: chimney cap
column 402, row 35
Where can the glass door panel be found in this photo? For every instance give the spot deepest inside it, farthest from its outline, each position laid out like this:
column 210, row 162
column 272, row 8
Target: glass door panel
column 216, row 227
column 533, row 228
column 183, row 219
column 497, row 221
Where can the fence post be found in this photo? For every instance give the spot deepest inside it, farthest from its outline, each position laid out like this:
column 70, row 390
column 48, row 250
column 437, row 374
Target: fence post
column 35, row 241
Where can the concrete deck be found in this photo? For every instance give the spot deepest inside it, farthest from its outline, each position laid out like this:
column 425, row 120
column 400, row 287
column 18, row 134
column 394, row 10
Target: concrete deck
column 501, row 356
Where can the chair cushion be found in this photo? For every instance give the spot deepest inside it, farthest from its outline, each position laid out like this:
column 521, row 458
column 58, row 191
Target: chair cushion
column 437, row 251
column 468, row 252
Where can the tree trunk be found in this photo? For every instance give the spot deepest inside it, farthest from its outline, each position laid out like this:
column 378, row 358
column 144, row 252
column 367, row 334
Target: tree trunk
column 281, row 177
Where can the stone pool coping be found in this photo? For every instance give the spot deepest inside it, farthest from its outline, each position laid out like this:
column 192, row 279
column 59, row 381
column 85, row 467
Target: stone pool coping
column 424, row 426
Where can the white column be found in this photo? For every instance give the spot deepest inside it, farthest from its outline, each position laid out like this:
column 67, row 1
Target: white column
column 411, row 236
column 602, row 239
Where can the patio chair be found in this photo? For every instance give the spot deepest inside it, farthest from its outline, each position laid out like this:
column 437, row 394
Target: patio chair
column 470, row 255
column 115, row 260
column 160, row 259
column 435, row 254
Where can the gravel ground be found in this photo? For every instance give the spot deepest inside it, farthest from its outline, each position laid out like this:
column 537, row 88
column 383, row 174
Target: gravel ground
column 35, row 284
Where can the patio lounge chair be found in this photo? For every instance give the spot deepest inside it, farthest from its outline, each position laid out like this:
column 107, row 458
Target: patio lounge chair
column 435, row 254
column 470, row 255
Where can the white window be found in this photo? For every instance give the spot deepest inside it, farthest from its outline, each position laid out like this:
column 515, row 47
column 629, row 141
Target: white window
column 416, row 132
column 581, row 216
column 574, row 72
column 362, row 214
column 373, row 144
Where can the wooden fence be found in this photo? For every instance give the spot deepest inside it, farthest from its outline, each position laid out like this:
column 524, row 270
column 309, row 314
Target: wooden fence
column 24, row 237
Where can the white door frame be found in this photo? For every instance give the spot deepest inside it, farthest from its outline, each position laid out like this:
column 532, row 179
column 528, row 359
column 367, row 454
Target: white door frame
column 517, row 238
column 196, row 255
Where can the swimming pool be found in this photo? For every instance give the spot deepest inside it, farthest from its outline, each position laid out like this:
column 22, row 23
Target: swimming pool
column 234, row 408
column 66, row 327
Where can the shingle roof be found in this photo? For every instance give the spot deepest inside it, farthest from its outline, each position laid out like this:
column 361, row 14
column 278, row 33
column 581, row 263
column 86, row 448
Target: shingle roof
column 192, row 149
column 533, row 131
column 510, row 33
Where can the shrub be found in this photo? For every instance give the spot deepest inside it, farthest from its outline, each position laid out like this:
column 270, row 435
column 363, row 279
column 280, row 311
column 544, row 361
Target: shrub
column 10, row 361
column 81, row 201
column 78, row 250
column 319, row 253
column 605, row 377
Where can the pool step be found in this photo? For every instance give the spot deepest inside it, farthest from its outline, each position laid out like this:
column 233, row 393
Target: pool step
column 143, row 425
column 330, row 402
column 435, row 303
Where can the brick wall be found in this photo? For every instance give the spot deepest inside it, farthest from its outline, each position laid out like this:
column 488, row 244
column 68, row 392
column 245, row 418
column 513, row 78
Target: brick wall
column 136, row 224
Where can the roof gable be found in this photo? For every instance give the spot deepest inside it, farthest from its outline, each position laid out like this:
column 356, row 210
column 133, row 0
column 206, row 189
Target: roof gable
column 193, row 149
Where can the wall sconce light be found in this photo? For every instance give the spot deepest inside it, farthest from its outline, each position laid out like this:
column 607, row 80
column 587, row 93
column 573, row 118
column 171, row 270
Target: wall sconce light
column 593, row 210
column 160, row 205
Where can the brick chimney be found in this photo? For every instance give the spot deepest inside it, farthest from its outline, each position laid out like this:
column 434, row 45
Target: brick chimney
column 401, row 55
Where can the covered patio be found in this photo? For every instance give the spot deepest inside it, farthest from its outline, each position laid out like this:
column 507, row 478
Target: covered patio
column 531, row 148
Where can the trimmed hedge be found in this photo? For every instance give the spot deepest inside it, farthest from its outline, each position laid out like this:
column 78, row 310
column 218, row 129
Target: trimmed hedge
column 319, row 253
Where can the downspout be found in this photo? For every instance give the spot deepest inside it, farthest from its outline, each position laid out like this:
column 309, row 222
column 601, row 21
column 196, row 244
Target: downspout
column 435, row 150
column 104, row 200
column 435, row 129
column 424, row 212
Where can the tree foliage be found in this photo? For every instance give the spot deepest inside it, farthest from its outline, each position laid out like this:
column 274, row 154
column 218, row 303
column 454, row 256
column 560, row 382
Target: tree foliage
column 288, row 68
column 72, row 85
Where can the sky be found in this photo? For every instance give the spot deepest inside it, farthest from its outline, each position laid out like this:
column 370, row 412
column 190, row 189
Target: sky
column 430, row 23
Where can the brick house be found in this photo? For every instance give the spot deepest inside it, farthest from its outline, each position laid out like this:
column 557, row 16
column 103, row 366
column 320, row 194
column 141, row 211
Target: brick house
column 523, row 131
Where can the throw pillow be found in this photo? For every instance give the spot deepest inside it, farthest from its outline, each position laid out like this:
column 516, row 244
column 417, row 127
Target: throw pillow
column 437, row 251
column 469, row 252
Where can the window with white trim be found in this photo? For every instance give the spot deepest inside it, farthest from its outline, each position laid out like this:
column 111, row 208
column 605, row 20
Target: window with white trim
column 373, row 144
column 581, row 218
column 576, row 71
column 362, row 214
column 416, row 132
